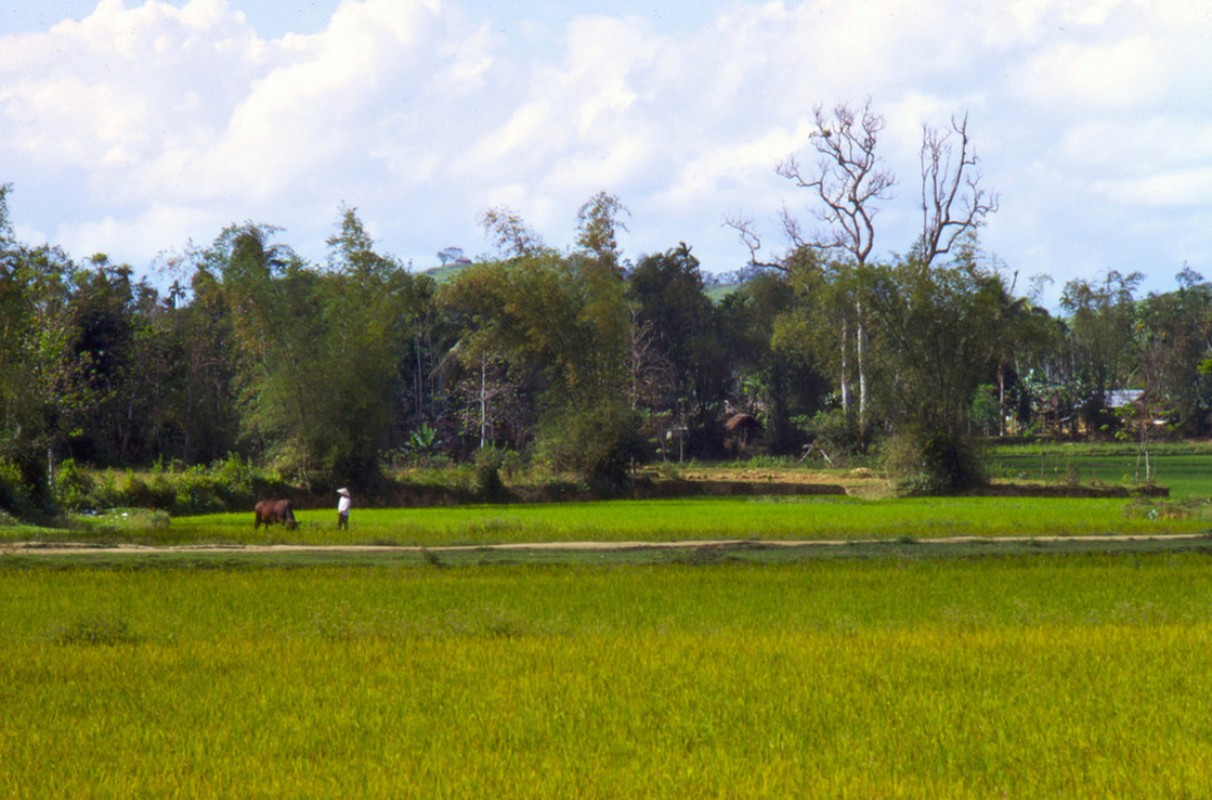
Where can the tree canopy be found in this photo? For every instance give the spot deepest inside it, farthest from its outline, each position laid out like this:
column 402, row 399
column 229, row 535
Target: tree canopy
column 582, row 359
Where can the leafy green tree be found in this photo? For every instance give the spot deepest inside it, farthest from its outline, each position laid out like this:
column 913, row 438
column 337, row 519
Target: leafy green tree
column 277, row 327
column 599, row 220
column 828, row 324
column 691, row 368
column 562, row 324
column 936, row 336
column 763, row 330
column 44, row 387
column 323, row 356
column 144, row 422
column 1174, row 338
column 32, row 292
column 203, row 336
column 370, row 303
column 1102, row 334
column 423, row 397
column 1026, row 339
column 101, row 319
column 594, row 273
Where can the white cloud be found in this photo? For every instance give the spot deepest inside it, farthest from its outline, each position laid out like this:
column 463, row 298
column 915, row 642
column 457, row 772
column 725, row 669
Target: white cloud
column 137, row 128
column 1134, row 145
column 121, row 87
column 1122, row 74
column 135, row 236
column 1167, row 189
column 732, row 166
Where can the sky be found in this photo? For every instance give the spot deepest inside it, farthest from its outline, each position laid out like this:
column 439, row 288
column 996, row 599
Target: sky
column 139, row 129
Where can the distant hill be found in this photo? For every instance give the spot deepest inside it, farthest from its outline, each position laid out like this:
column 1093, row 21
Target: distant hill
column 446, row 272
column 718, row 292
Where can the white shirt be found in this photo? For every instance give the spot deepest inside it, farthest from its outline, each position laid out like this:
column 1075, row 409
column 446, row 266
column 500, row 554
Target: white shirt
column 343, row 505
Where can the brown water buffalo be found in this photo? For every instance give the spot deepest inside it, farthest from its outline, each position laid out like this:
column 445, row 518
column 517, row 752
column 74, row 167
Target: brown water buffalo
column 267, row 512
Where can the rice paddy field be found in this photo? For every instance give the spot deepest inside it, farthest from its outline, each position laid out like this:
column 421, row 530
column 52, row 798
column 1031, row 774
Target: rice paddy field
column 1075, row 676
column 864, row 514
column 891, row 665
column 1184, row 468
column 811, row 518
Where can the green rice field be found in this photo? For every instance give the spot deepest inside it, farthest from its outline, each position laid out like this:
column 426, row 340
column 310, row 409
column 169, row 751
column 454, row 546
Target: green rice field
column 1070, row 676
column 900, row 664
column 746, row 519
column 1184, row 468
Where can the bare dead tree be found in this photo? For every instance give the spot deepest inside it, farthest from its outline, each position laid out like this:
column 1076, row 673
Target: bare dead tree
column 493, row 402
column 849, row 180
column 953, row 200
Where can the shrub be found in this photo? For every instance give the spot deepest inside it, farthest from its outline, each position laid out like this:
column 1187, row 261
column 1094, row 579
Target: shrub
column 488, row 462
column 598, row 443
column 836, row 432
column 24, row 490
column 133, row 490
column 225, row 485
column 14, row 495
column 73, row 487
column 134, row 520
column 424, row 444
column 195, row 492
column 512, row 463
column 932, row 462
column 101, row 490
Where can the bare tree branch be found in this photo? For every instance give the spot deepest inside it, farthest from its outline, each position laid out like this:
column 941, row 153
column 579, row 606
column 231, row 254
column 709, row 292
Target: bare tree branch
column 849, row 179
column 791, row 227
column 953, row 201
column 753, row 243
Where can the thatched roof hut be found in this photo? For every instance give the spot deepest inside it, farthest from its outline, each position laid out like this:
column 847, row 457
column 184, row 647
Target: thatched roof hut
column 744, row 427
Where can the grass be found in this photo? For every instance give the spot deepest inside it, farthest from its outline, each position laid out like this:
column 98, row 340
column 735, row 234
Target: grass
column 1075, row 675
column 867, row 514
column 1183, row 467
column 748, row 519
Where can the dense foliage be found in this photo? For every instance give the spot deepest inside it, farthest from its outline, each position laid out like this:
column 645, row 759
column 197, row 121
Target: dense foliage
column 578, row 359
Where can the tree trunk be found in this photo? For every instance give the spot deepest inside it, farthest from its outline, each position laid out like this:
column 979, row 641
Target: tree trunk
column 860, row 341
column 483, row 401
column 845, row 377
column 1001, row 397
column 50, row 469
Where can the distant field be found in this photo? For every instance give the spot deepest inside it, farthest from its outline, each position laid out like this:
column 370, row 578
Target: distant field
column 1020, row 677
column 786, row 518
column 1185, row 468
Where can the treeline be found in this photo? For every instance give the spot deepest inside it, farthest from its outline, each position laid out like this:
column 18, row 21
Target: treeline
column 573, row 359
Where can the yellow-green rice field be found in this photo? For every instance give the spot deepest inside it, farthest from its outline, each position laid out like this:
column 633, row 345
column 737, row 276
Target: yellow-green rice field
column 1082, row 676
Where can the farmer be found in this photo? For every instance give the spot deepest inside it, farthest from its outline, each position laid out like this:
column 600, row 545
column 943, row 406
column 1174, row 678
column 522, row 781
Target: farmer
column 343, row 509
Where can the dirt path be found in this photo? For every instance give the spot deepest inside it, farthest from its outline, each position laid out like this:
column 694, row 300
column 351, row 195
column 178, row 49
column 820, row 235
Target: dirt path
column 84, row 548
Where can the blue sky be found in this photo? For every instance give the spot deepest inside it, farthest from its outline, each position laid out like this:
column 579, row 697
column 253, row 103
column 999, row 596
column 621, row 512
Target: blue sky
column 136, row 128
